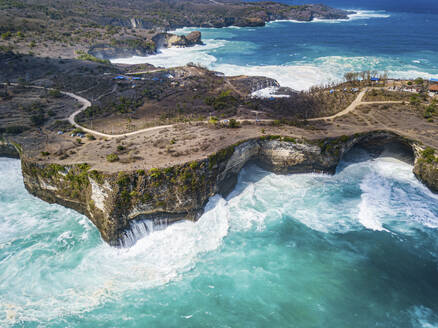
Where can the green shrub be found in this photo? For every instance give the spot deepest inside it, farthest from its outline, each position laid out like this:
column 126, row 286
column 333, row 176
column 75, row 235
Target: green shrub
column 234, row 124
column 38, row 119
column 78, row 130
column 155, row 173
column 428, row 155
column 213, row 120
column 55, row 93
column 81, row 55
column 6, row 35
column 112, row 158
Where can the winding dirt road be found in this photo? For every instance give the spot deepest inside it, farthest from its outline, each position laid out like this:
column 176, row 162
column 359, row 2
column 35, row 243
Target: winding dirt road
column 86, row 103
column 356, row 102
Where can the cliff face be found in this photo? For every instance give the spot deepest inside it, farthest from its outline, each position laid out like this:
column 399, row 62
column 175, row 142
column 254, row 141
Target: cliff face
column 426, row 167
column 168, row 40
column 217, row 14
column 8, row 149
column 113, row 201
column 138, row 47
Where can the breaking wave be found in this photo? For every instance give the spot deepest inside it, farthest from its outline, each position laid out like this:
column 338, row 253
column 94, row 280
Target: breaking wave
column 54, row 264
column 298, row 67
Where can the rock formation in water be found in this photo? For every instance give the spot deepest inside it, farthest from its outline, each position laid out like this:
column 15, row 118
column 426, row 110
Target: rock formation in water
column 137, row 47
column 114, row 201
column 168, row 40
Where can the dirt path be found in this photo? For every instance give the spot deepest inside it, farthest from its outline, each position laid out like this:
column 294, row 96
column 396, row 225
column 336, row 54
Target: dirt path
column 86, row 103
column 357, row 102
column 234, row 88
column 146, row 72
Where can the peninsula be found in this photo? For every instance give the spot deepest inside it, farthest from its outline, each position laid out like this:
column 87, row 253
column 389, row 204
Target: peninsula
column 127, row 143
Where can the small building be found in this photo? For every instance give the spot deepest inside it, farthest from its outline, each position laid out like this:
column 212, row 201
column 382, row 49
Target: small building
column 433, row 88
column 433, row 81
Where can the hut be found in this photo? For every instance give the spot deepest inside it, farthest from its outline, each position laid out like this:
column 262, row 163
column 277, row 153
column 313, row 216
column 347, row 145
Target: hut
column 433, row 88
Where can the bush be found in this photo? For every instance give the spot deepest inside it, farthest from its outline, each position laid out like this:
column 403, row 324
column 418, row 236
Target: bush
column 6, row 36
column 222, row 101
column 429, row 110
column 234, row 124
column 213, row 120
column 55, row 93
column 428, row 154
column 14, row 129
column 81, row 55
column 112, row 158
column 78, row 130
column 38, row 119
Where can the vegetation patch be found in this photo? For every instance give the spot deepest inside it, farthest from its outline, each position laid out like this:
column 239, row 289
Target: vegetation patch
column 81, row 55
column 112, row 158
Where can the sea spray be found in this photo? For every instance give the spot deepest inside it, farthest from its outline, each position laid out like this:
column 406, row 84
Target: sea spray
column 279, row 249
column 303, row 55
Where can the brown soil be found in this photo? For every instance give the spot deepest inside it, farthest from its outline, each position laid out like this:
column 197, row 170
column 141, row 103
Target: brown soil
column 192, row 141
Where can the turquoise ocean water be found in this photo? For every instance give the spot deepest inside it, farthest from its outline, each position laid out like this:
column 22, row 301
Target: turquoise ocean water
column 357, row 249
column 398, row 37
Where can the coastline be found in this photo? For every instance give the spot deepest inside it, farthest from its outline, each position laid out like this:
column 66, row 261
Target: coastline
column 300, row 71
column 181, row 192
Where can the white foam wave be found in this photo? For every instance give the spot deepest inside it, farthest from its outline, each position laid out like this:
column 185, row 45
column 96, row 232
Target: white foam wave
column 423, row 317
column 358, row 15
column 269, row 92
column 298, row 76
column 368, row 14
column 388, row 197
column 383, row 204
column 374, row 202
column 95, row 272
column 173, row 57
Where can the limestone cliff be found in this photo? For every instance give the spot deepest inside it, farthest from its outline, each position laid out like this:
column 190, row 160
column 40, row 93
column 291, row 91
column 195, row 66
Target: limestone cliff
column 113, row 201
column 8, row 149
column 140, row 47
column 426, row 167
column 168, row 40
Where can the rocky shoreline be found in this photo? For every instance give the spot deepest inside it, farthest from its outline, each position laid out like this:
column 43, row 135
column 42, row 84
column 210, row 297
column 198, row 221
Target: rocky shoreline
column 114, row 201
column 135, row 47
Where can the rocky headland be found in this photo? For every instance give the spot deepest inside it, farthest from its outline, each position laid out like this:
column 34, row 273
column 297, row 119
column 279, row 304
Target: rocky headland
column 158, row 147
column 114, row 201
column 135, row 47
column 108, row 29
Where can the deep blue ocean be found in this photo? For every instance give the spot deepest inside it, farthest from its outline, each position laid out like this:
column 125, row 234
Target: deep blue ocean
column 398, row 37
column 356, row 249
